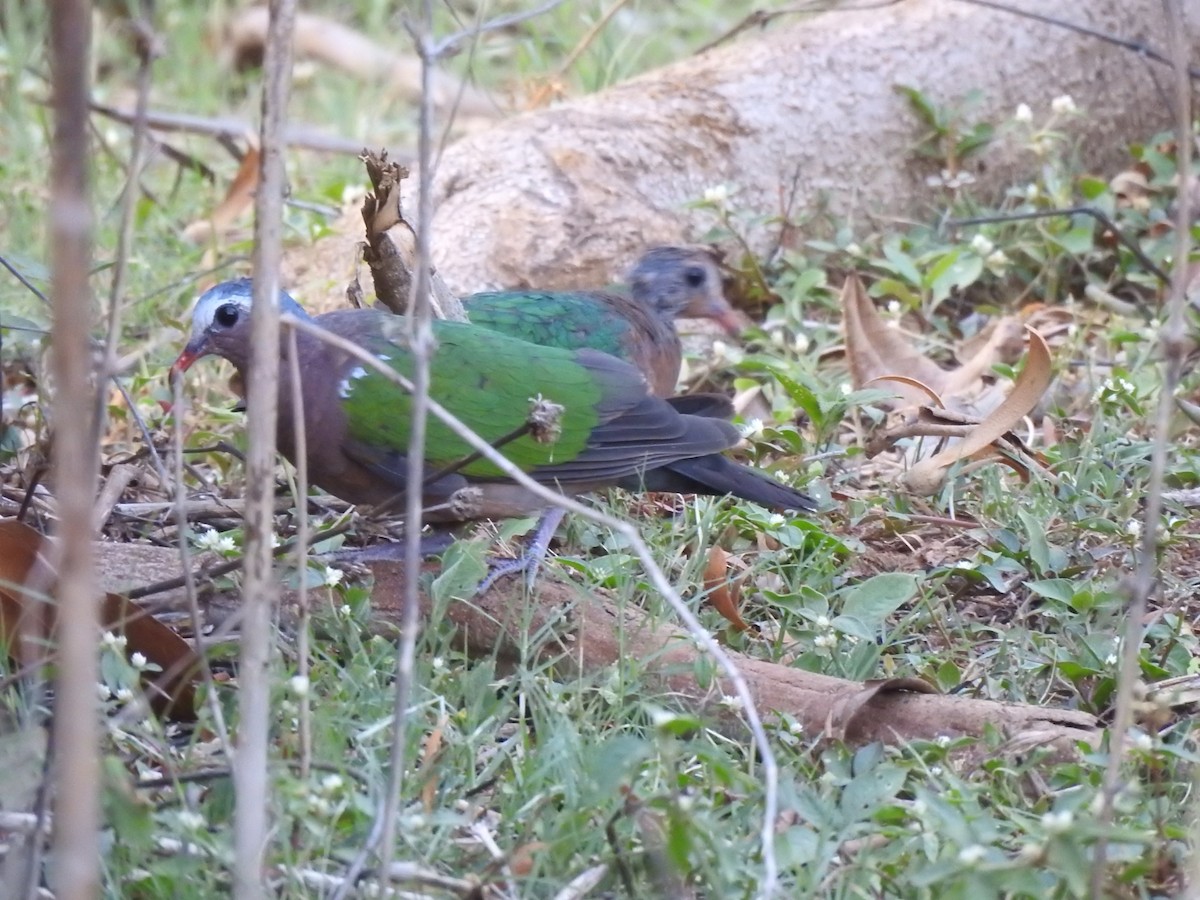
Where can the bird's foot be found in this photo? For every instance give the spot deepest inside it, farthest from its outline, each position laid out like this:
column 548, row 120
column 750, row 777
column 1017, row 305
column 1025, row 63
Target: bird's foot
column 530, row 560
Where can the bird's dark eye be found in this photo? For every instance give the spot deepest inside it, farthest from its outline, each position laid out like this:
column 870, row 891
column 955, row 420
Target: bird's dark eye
column 694, row 277
column 226, row 315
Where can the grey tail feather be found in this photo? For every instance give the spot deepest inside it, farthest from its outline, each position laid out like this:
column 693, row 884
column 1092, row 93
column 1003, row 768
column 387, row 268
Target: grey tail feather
column 709, row 406
column 715, row 475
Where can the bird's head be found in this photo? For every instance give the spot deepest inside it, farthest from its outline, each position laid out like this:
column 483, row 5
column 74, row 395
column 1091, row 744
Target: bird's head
column 683, row 281
column 221, row 324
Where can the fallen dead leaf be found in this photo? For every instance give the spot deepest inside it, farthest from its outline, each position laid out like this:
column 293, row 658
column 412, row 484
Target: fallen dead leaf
column 432, row 745
column 238, row 199
column 27, row 614
column 879, row 352
column 926, row 477
column 723, row 592
column 522, row 859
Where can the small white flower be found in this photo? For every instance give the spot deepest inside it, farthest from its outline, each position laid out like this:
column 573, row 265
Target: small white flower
column 894, row 308
column 190, row 821
column 114, row 641
column 846, row 388
column 776, row 520
column 319, row 805
column 331, row 783
column 1032, row 191
column 1058, row 822
column 981, row 245
column 942, row 740
column 753, row 429
column 138, row 660
column 822, row 623
column 824, row 640
column 717, row 194
column 332, row 577
column 212, row 540
column 102, row 692
column 1134, row 528
column 800, row 344
column 1063, row 104
column 345, row 610
column 972, row 854
column 1023, row 113
column 719, row 349
column 439, row 663
column 1111, row 659
column 796, row 728
column 1030, row 852
column 729, row 701
column 123, row 695
column 299, row 685
column 997, row 261
column 275, row 542
column 854, row 249
column 1142, row 741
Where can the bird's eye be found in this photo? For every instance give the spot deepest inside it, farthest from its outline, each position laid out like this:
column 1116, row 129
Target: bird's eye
column 694, row 277
column 226, row 315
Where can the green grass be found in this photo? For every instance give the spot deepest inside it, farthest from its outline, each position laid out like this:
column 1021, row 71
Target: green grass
column 1027, row 605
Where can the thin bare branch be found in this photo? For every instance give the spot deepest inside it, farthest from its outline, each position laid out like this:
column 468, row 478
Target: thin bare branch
column 448, row 43
column 299, row 438
column 261, row 588
column 211, row 697
column 293, row 135
column 1138, row 47
column 76, row 718
column 1172, row 340
column 422, row 345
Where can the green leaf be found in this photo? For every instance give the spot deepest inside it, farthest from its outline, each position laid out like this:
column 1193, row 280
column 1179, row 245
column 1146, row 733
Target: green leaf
column 901, row 263
column 871, row 790
column 1039, row 547
column 1078, row 240
column 1091, row 187
column 464, row 565
column 878, row 597
column 1059, row 589
column 954, row 270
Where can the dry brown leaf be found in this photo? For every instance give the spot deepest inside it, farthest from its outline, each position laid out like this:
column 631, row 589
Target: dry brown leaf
column 877, row 352
column 927, row 476
column 27, row 614
column 238, row 199
column 432, row 745
column 521, row 861
column 929, row 392
column 723, row 593
column 875, row 349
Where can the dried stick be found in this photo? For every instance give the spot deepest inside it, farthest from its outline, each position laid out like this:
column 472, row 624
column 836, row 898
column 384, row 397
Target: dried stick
column 1172, row 338
column 76, row 765
column 211, row 697
column 422, row 347
column 261, row 588
column 302, row 625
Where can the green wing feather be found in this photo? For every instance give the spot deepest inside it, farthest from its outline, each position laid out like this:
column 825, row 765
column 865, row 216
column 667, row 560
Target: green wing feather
column 487, row 379
column 571, row 320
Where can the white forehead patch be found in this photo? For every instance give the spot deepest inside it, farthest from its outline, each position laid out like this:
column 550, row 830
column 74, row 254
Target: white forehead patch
column 210, row 302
